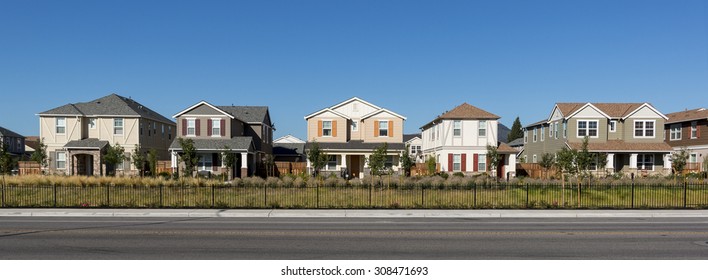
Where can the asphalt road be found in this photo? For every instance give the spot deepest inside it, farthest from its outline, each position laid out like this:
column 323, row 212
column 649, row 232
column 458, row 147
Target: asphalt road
column 90, row 238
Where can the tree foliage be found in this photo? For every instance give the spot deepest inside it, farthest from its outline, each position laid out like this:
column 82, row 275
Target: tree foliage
column 114, row 155
column 6, row 162
column 152, row 161
column 189, row 155
column 317, row 157
column 407, row 161
column 431, row 164
column 138, row 159
column 229, row 159
column 547, row 162
column 679, row 160
column 493, row 157
column 40, row 154
column 516, row 131
column 377, row 160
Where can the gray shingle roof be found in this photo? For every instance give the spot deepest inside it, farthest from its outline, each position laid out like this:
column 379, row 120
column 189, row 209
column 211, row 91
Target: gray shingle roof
column 90, row 143
column 237, row 144
column 357, row 145
column 110, row 105
column 516, row 143
column 408, row 137
column 248, row 114
column 4, row 132
column 289, row 149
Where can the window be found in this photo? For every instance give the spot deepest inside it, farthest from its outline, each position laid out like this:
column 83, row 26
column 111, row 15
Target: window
column 92, row 123
column 535, row 158
column 482, row 128
column 383, row 129
column 163, row 130
column 61, row 125
column 555, row 130
column 693, row 158
column 389, row 162
column 457, row 128
column 433, row 135
column 550, row 131
column 205, row 162
column 482, row 162
column 645, row 162
column 327, row 128
column 543, row 133
column 61, row 160
column 675, row 132
column 565, row 130
column 169, row 132
column 587, row 128
column 355, row 126
column 331, row 163
column 191, row 127
column 118, row 126
column 415, row 150
column 613, row 126
column 694, row 130
column 643, row 129
column 526, row 136
column 216, row 127
column 535, row 132
column 141, row 128
column 149, row 130
column 456, row 162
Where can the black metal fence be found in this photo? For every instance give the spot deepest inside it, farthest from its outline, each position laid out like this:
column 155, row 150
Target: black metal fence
column 473, row 196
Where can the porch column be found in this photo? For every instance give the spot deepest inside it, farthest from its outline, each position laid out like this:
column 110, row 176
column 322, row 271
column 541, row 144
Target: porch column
column 633, row 161
column 511, row 163
column 244, row 165
column 174, row 160
column 667, row 161
column 344, row 161
column 610, row 162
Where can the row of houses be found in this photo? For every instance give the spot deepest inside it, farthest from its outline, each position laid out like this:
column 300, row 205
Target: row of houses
column 635, row 136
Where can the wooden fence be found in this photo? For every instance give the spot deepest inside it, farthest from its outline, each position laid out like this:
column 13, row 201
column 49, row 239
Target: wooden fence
column 164, row 166
column 421, row 169
column 535, row 171
column 295, row 168
column 29, row 168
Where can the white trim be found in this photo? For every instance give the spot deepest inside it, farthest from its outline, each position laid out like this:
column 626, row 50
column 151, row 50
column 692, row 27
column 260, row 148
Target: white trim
column 199, row 104
column 553, row 111
column 650, row 108
column 331, row 128
column 56, row 125
column 583, row 108
column 577, row 129
column 212, row 127
column 380, row 111
column 613, row 127
column 326, row 110
column 350, row 100
column 122, row 127
column 186, row 133
column 693, row 128
column 679, row 134
column 388, row 129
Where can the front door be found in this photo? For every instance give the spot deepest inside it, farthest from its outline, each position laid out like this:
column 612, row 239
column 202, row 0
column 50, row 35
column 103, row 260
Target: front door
column 354, row 166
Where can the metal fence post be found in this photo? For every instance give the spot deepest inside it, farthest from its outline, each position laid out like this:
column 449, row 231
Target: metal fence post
column 685, row 193
column 3, row 193
column 527, row 195
column 474, row 194
column 213, row 196
column 161, row 204
column 632, row 190
column 265, row 196
column 108, row 195
column 370, row 194
column 422, row 196
column 317, row 203
column 55, row 195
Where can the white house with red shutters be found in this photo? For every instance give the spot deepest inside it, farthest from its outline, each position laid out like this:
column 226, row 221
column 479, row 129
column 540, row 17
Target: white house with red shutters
column 458, row 141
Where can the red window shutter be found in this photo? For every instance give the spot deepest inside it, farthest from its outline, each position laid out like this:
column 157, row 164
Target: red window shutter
column 449, row 162
column 390, row 128
column 209, row 127
column 223, row 127
column 197, row 124
column 184, row 127
column 464, row 162
column 476, row 162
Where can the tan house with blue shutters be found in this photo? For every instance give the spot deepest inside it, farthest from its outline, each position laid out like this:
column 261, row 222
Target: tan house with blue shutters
column 350, row 131
column 247, row 131
column 630, row 134
column 78, row 134
column 458, row 141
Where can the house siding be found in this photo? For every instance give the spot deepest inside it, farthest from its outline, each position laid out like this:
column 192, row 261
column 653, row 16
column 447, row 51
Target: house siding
column 342, row 127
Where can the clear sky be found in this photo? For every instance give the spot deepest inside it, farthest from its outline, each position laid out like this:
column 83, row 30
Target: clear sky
column 416, row 58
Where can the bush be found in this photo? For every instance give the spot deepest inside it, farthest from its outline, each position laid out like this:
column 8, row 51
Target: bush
column 458, row 174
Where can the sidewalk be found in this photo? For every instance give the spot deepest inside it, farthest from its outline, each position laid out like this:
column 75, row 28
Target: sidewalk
column 287, row 213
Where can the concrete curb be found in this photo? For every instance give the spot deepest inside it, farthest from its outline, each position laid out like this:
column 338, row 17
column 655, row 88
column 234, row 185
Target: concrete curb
column 287, row 213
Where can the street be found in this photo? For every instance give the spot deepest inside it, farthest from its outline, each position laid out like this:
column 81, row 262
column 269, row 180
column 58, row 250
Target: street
column 89, row 238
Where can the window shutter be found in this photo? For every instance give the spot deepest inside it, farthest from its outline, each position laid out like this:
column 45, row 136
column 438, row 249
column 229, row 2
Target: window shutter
column 209, row 127
column 464, row 162
column 334, row 128
column 390, row 128
column 197, row 126
column 376, row 128
column 184, row 127
column 319, row 128
column 449, row 162
column 476, row 162
column 223, row 127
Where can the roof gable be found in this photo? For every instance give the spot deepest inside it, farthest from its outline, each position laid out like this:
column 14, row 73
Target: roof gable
column 202, row 104
column 644, row 111
column 464, row 112
column 385, row 112
column 588, row 110
column 110, row 105
column 688, row 115
column 9, row 133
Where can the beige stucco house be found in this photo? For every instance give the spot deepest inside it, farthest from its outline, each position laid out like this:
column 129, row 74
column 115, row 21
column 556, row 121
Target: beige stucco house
column 350, row 131
column 78, row 134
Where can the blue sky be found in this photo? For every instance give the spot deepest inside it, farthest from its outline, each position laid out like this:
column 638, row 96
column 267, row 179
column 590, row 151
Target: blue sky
column 417, row 58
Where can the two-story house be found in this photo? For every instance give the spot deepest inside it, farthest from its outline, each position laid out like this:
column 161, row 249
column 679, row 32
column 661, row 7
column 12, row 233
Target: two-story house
column 246, row 131
column 349, row 132
column 78, row 134
column 13, row 142
column 628, row 133
column 689, row 129
column 458, row 141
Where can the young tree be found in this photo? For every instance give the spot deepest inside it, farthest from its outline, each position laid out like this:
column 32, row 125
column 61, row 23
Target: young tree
column 229, row 159
column 516, row 131
column 6, row 162
column 40, row 155
column 432, row 165
column 407, row 161
column 679, row 161
column 188, row 156
column 377, row 160
column 317, row 158
column 138, row 159
column 566, row 164
column 584, row 159
column 152, row 161
column 114, row 155
column 602, row 161
column 547, row 162
column 270, row 165
column 493, row 158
